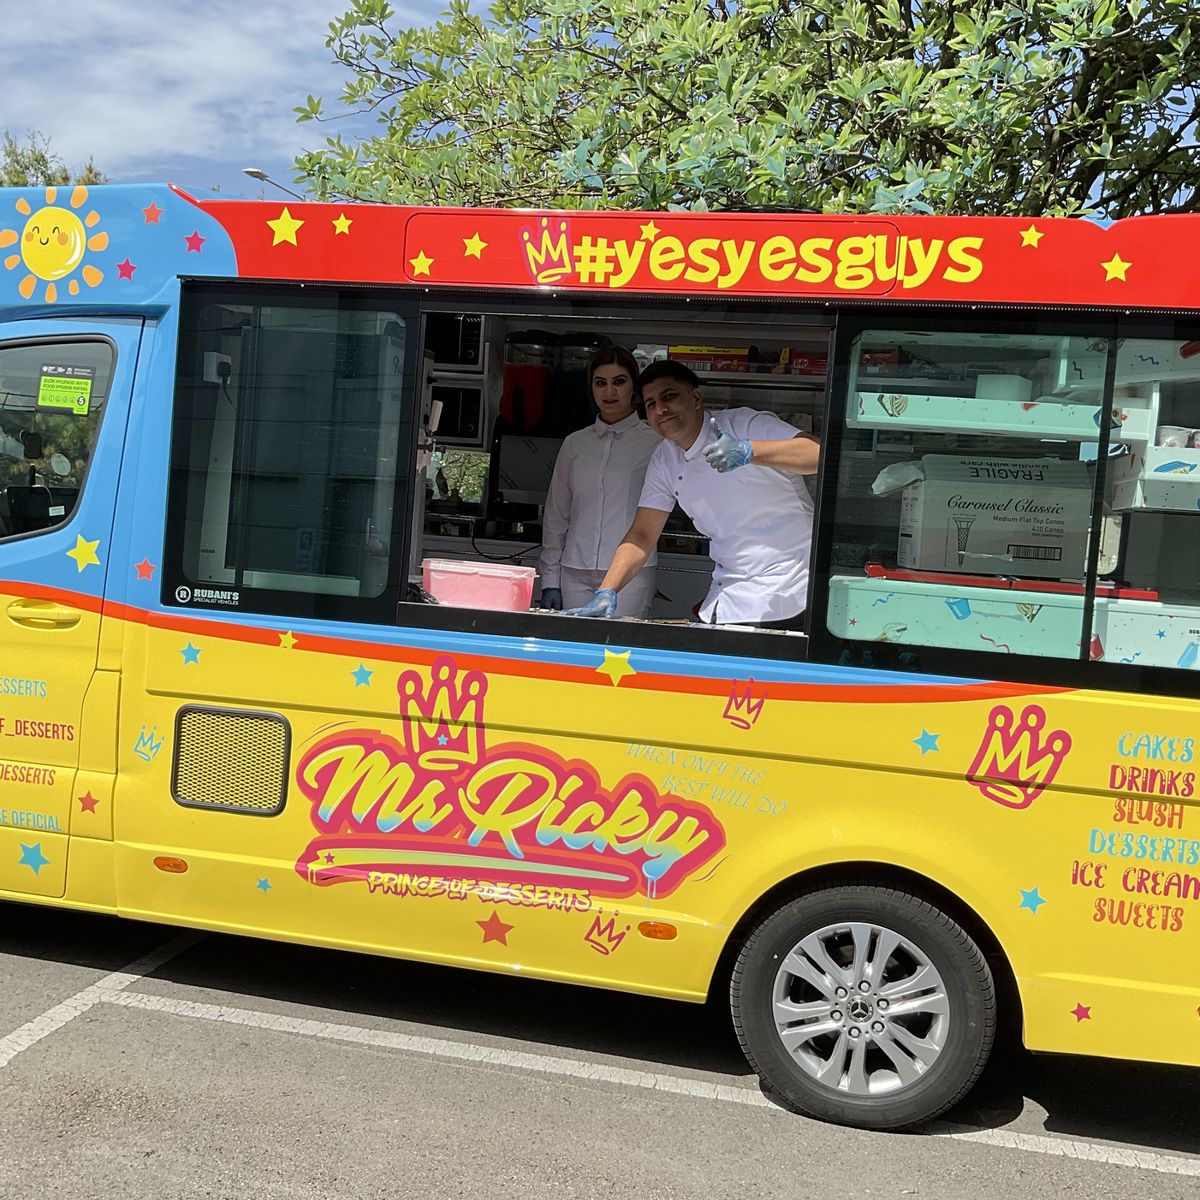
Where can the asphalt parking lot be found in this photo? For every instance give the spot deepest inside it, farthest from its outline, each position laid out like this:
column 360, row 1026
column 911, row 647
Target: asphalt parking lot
column 142, row 1061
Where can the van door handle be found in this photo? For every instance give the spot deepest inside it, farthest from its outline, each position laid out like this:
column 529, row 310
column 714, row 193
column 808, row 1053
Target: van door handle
column 43, row 614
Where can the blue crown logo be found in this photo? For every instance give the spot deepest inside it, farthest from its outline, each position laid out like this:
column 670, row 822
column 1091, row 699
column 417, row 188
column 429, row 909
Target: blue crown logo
column 147, row 746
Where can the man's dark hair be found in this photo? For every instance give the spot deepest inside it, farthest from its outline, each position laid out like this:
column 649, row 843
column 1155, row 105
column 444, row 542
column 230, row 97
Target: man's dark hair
column 667, row 368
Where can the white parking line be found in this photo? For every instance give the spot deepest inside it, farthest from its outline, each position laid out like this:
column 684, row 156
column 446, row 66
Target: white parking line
column 55, row 1018
column 1035, row 1143
column 1092, row 1152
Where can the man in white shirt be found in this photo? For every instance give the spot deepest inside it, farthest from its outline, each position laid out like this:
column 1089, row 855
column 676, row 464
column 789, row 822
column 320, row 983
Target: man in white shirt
column 739, row 482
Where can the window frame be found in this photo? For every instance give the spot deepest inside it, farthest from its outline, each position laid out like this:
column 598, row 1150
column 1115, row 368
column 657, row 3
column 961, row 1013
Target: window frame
column 65, row 340
column 196, row 296
column 1069, row 672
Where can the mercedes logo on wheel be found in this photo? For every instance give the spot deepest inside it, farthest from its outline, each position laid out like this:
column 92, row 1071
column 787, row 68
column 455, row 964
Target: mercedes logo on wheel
column 183, row 594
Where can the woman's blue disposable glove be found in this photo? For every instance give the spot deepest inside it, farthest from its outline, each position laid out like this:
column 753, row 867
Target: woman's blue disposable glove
column 726, row 453
column 552, row 598
column 602, row 604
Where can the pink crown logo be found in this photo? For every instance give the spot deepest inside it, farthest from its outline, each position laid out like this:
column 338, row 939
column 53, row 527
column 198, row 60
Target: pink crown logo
column 743, row 707
column 605, row 938
column 443, row 728
column 1015, row 762
column 549, row 258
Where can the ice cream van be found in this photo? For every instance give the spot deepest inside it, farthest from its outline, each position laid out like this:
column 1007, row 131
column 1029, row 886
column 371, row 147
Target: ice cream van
column 274, row 658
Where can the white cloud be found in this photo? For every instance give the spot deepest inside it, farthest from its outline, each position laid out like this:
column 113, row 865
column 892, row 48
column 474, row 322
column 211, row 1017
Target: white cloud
column 146, row 88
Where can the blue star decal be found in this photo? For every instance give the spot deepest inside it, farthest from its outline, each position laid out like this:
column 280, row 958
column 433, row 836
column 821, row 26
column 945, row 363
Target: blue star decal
column 927, row 741
column 32, row 857
column 191, row 654
column 263, row 885
column 1031, row 900
column 442, row 740
column 1162, row 633
column 362, row 677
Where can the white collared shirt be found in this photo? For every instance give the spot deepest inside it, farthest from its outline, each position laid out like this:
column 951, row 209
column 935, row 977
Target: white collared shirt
column 758, row 520
column 593, row 495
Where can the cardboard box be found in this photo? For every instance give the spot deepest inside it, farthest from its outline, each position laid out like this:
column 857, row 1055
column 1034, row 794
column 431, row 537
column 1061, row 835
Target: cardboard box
column 805, row 362
column 996, row 516
column 712, row 358
column 878, row 362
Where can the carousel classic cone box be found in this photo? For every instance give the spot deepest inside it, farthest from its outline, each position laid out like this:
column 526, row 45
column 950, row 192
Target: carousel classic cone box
column 993, row 516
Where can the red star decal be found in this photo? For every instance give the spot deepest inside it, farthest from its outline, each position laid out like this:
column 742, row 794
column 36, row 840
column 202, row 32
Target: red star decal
column 194, row 242
column 144, row 569
column 853, row 620
column 1082, row 1012
column 494, row 930
column 88, row 802
column 152, row 213
column 125, row 269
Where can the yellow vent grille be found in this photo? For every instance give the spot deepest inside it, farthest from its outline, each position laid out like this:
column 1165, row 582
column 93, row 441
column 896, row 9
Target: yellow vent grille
column 231, row 760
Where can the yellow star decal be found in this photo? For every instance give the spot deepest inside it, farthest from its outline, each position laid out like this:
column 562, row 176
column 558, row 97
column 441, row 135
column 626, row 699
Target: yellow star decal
column 342, row 223
column 475, row 246
column 1031, row 236
column 421, row 264
column 84, row 553
column 284, row 228
column 1115, row 268
column 650, row 231
column 287, row 640
column 616, row 666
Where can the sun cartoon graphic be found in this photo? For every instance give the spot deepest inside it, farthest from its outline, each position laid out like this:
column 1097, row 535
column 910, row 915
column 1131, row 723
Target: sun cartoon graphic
column 53, row 244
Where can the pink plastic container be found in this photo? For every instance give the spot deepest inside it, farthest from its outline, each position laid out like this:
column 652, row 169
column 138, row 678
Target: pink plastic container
column 478, row 585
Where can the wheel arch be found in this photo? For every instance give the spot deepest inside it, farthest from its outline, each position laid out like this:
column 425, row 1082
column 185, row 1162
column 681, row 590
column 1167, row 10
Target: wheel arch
column 890, row 875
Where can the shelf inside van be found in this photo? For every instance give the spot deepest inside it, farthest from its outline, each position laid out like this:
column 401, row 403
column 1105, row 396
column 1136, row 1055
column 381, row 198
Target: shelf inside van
column 762, row 379
column 1159, row 478
column 1048, row 416
column 1020, row 619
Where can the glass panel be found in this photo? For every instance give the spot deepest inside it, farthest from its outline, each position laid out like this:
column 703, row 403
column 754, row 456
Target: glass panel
column 964, row 495
column 52, row 397
column 1148, row 609
column 288, row 430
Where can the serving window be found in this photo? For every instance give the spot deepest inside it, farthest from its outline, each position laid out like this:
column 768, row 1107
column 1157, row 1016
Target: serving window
column 346, row 454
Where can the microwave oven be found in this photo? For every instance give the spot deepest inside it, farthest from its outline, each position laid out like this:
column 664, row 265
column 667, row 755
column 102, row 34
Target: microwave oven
column 463, row 418
column 455, row 340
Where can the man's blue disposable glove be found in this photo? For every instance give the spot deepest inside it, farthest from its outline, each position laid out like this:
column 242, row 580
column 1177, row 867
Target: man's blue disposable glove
column 602, row 604
column 552, row 598
column 724, row 452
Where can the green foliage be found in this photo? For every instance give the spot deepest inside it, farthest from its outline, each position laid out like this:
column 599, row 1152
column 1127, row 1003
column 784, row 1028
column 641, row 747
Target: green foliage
column 463, row 473
column 1026, row 106
column 62, row 433
column 33, row 164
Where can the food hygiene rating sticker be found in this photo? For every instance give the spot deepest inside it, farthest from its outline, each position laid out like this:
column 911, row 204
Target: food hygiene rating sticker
column 69, row 388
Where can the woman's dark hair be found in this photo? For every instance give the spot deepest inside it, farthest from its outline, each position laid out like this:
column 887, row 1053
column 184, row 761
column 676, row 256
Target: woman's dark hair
column 607, row 355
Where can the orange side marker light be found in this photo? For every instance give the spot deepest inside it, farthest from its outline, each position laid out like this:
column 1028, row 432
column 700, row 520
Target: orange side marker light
column 173, row 866
column 658, row 931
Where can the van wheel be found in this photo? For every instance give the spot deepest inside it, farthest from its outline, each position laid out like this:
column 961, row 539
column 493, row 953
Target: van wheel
column 864, row 1006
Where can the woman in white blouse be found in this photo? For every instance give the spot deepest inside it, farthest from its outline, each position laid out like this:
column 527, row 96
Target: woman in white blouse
column 594, row 492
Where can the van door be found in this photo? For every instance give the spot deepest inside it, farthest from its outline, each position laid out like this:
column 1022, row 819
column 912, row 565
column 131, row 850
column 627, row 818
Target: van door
column 65, row 387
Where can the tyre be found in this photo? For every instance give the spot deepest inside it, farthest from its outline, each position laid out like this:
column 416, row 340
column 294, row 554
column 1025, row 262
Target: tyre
column 863, row 1005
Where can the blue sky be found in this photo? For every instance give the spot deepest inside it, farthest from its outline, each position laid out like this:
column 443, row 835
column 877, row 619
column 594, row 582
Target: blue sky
column 155, row 90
